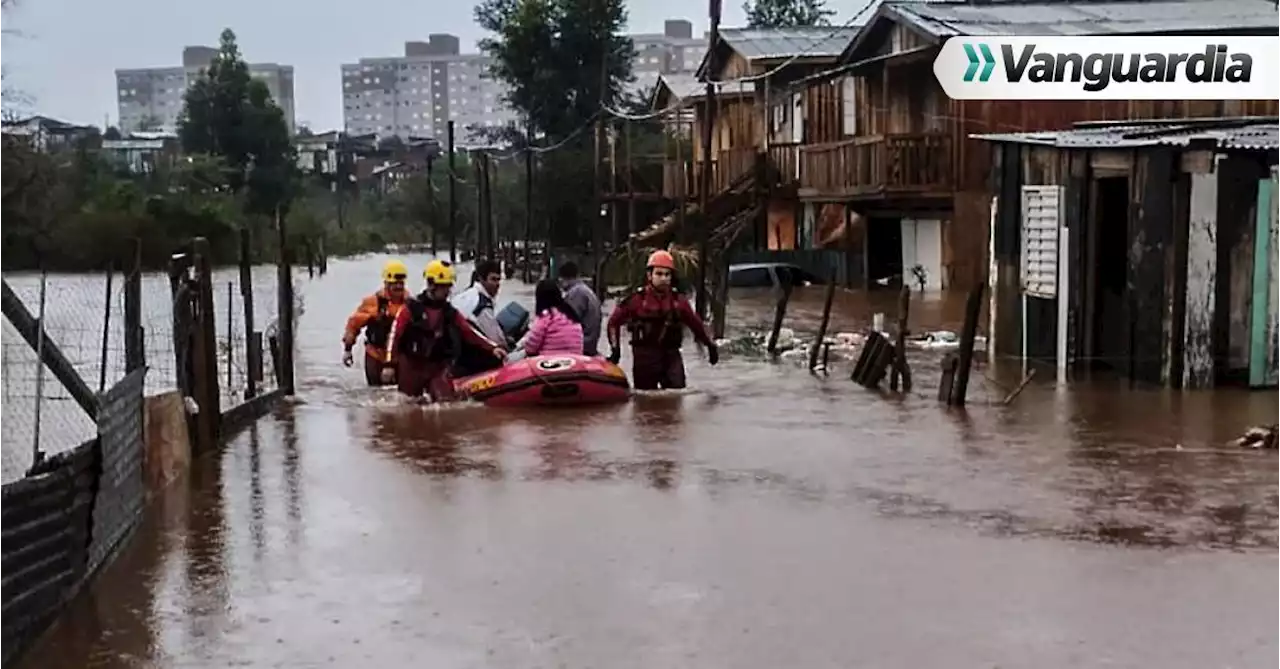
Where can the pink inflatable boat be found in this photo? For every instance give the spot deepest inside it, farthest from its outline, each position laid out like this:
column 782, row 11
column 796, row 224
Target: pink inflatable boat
column 548, row 380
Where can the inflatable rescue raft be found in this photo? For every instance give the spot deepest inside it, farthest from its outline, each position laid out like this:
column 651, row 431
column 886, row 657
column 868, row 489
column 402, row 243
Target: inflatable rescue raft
column 556, row 379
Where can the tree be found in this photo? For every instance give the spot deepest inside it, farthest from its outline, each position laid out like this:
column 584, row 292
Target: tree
column 551, row 53
column 229, row 114
column 786, row 13
column 554, row 56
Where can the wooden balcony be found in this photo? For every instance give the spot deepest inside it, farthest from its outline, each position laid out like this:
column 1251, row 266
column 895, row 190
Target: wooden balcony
column 898, row 164
column 785, row 158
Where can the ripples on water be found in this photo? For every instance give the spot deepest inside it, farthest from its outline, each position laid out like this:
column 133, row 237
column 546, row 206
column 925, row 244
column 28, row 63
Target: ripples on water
column 1095, row 461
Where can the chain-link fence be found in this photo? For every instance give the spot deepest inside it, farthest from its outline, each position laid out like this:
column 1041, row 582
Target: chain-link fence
column 85, row 320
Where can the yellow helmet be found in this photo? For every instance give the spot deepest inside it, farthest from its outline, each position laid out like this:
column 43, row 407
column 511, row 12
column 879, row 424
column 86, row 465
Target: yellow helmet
column 439, row 273
column 394, row 272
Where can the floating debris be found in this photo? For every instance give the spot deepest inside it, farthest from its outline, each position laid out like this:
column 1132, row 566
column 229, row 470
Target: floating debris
column 843, row 345
column 1261, row 438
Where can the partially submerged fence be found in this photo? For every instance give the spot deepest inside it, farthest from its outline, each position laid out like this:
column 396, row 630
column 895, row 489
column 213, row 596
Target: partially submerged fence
column 76, row 455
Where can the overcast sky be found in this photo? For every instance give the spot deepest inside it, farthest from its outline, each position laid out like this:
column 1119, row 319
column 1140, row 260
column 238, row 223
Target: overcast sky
column 66, row 53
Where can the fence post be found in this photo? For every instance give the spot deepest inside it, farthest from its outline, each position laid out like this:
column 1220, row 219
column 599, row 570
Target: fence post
column 37, row 455
column 820, row 342
column 246, row 297
column 901, row 370
column 106, row 331
column 972, row 311
column 134, row 348
column 721, row 303
column 285, row 278
column 207, row 394
column 778, row 315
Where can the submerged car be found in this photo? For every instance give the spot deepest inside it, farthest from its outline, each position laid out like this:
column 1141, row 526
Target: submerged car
column 770, row 275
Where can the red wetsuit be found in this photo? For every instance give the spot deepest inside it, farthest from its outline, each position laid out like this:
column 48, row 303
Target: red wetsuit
column 657, row 319
column 425, row 338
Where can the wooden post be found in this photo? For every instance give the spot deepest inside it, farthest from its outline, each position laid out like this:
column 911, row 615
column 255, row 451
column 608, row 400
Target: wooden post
column 597, row 234
column 972, row 310
column 490, row 231
column 612, row 192
column 704, row 233
column 946, row 384
column 205, row 350
column 528, row 204
column 477, row 162
column 631, row 185
column 106, row 331
column 779, row 313
column 681, row 185
column 433, row 219
column 820, row 342
column 134, row 348
column 285, row 318
column 324, row 257
column 453, row 201
column 900, row 367
column 183, row 321
column 246, row 298
column 311, row 263
column 721, row 301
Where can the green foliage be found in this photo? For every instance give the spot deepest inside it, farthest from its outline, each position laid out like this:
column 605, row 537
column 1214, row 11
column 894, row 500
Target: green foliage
column 554, row 56
column 786, row 13
column 229, row 114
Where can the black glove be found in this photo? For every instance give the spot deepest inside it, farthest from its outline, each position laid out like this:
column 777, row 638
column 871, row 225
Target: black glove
column 614, row 355
column 713, row 353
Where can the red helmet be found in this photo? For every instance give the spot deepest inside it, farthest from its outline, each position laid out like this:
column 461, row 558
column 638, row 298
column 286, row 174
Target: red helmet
column 661, row 259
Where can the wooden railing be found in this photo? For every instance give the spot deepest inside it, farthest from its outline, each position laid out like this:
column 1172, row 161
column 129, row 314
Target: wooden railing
column 734, row 163
column 891, row 164
column 785, row 158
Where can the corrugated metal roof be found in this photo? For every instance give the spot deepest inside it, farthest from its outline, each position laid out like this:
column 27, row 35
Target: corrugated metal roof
column 949, row 19
column 687, row 87
column 812, row 42
column 1238, row 134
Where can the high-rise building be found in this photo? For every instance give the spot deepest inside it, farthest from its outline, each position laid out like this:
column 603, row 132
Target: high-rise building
column 674, row 51
column 417, row 94
column 152, row 98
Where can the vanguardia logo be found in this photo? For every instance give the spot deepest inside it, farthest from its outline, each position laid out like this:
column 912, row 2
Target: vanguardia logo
column 1096, row 71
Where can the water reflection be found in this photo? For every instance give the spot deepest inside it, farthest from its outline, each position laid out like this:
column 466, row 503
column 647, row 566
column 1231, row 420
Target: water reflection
column 448, row 441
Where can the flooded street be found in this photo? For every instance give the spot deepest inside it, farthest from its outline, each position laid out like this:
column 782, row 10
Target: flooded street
column 765, row 518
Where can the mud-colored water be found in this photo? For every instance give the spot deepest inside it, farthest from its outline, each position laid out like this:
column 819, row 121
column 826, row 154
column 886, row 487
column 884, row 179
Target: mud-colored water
column 764, row 518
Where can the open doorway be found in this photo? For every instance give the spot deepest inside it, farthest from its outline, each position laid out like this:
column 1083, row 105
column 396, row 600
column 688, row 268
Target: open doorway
column 884, row 253
column 1110, row 270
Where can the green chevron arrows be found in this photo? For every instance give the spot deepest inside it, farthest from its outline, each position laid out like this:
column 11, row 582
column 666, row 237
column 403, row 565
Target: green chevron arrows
column 988, row 62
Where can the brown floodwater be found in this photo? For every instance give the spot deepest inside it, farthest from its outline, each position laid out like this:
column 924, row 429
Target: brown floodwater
column 764, row 518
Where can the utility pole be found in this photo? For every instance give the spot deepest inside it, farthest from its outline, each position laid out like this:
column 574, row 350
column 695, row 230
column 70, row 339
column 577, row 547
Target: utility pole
column 340, row 173
column 490, row 232
column 704, row 233
column 453, row 202
column 597, row 222
column 631, row 183
column 477, row 161
column 432, row 218
column 528, row 203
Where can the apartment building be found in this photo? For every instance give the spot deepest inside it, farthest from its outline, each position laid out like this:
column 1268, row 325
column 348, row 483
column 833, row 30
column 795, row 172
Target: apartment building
column 417, row 94
column 674, row 51
column 151, row 99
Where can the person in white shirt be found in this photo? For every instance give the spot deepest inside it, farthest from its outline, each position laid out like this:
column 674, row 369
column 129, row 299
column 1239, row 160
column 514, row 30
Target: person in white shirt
column 477, row 305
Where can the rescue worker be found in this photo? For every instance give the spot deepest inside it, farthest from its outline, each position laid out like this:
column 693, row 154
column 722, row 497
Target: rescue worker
column 428, row 334
column 656, row 314
column 375, row 315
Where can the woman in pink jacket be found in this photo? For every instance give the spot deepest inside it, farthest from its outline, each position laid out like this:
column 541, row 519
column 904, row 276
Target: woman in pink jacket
column 557, row 327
